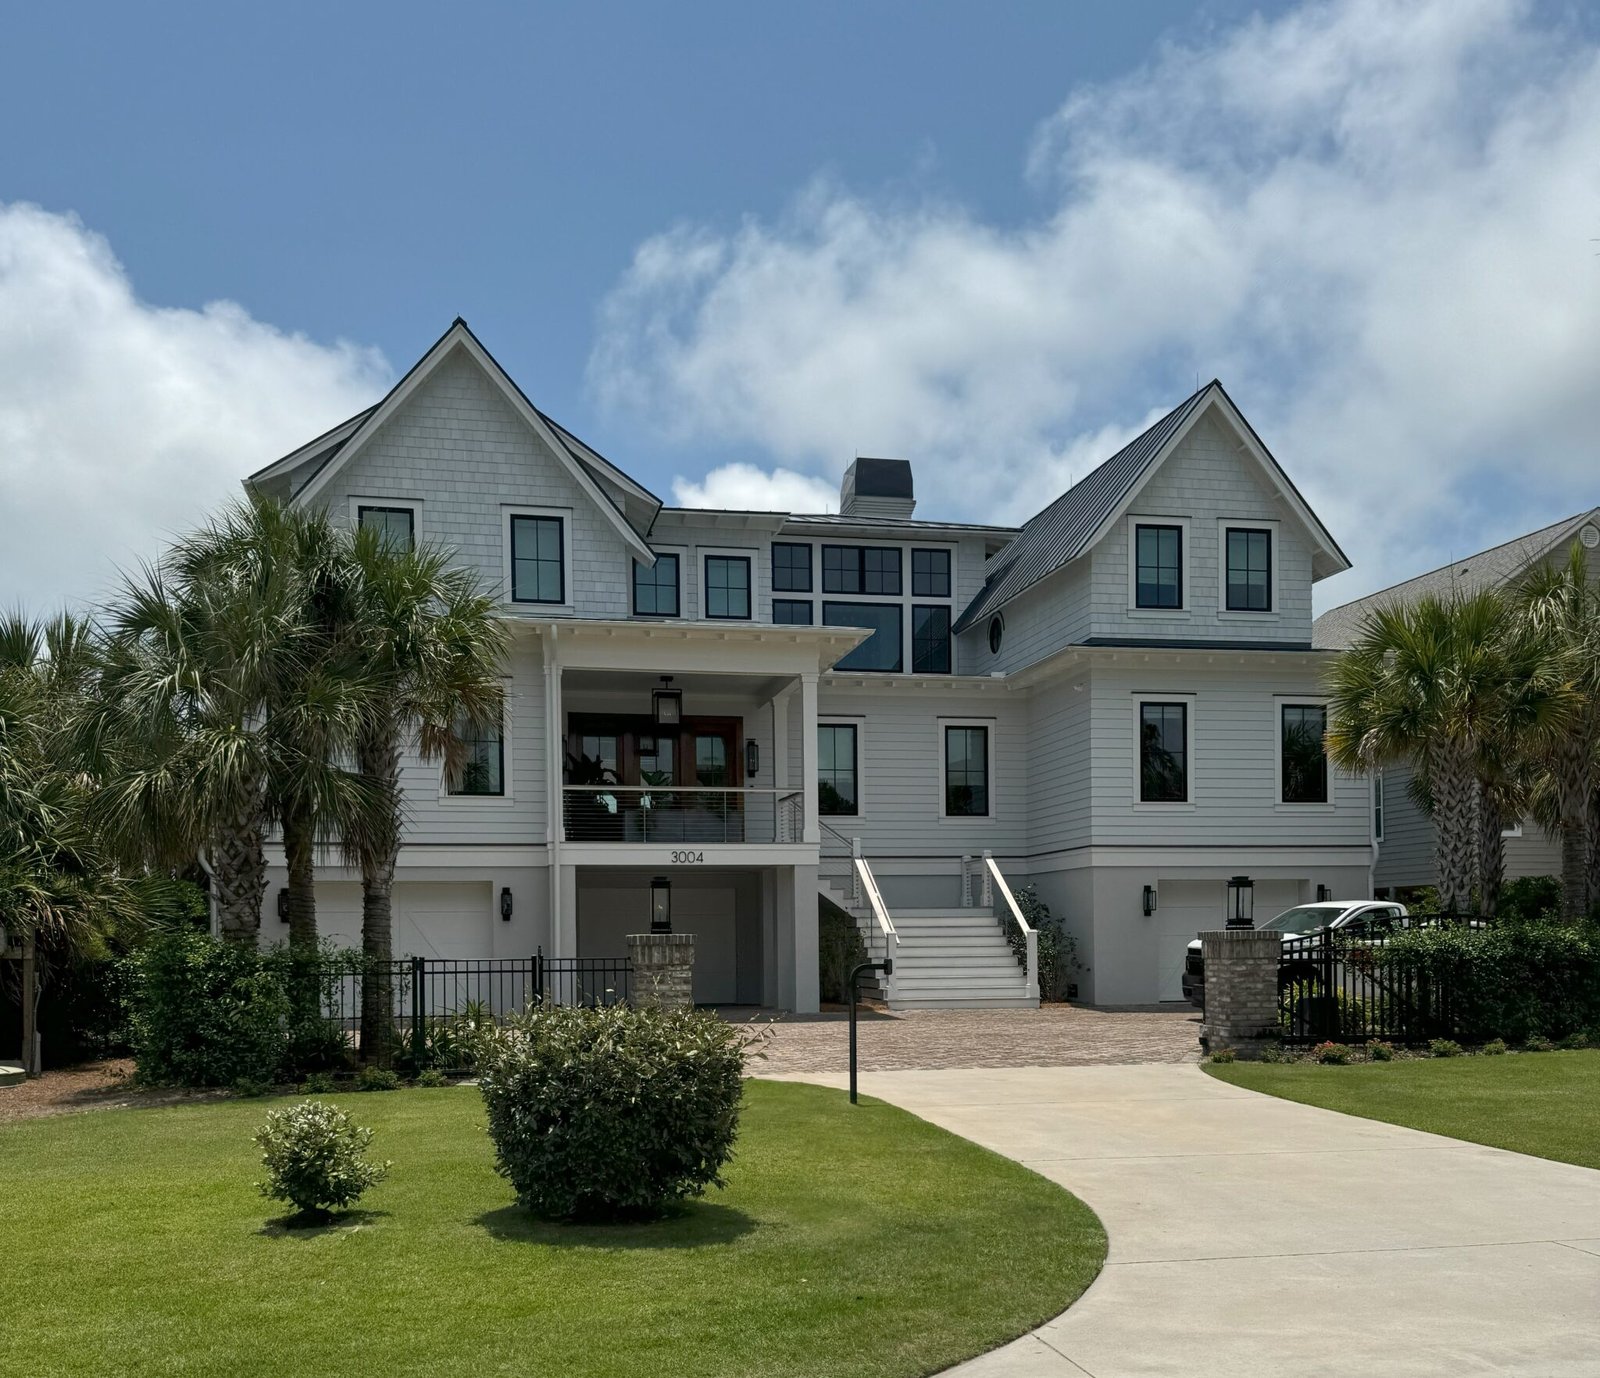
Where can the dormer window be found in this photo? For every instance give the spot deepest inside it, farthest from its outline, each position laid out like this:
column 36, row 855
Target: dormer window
column 538, row 559
column 1158, row 566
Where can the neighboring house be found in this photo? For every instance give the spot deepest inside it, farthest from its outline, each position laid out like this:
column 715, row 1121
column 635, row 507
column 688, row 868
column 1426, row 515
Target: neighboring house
column 1403, row 835
column 1119, row 702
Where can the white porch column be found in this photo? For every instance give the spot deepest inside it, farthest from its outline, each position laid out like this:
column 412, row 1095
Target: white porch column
column 804, row 947
column 808, row 758
column 564, row 919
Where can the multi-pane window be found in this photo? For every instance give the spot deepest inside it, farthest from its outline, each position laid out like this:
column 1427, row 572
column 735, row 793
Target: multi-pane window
column 396, row 526
column 860, row 569
column 1163, row 753
column 791, row 567
column 791, row 612
column 1249, row 570
column 837, row 791
column 483, row 766
column 728, row 586
column 930, row 573
column 538, row 572
column 1305, row 762
column 1377, row 807
column 655, row 590
column 966, row 772
column 930, row 640
column 882, row 650
column 1158, row 566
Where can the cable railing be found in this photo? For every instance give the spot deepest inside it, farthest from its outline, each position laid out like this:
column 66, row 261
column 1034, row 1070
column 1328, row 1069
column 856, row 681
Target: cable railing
column 688, row 814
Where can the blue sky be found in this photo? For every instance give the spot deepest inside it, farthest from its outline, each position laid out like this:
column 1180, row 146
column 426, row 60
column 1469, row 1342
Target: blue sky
column 725, row 240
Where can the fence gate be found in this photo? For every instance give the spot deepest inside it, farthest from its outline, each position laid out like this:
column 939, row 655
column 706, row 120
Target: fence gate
column 1333, row 986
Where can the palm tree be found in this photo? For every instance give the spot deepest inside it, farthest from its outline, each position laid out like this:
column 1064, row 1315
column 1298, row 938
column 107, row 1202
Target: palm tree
column 1452, row 686
column 434, row 653
column 1561, row 607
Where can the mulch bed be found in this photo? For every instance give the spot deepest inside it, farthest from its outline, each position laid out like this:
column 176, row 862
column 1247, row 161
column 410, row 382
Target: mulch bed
column 104, row 1085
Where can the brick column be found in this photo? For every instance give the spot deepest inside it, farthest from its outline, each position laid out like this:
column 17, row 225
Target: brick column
column 663, row 970
column 1241, row 990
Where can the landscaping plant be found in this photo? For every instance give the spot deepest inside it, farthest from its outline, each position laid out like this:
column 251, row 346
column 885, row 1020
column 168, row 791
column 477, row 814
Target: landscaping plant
column 1380, row 1051
column 1444, row 1047
column 314, row 1158
column 378, row 1079
column 1333, row 1054
column 612, row 1113
column 1495, row 1047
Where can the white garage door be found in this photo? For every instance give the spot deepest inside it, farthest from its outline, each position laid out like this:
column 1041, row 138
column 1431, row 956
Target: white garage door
column 430, row 920
column 1184, row 908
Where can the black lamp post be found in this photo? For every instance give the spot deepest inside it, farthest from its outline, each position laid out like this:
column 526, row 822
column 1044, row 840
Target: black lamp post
column 661, row 905
column 1241, row 902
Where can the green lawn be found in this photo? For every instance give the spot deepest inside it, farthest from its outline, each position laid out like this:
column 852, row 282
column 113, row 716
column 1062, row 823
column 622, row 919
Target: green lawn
column 849, row 1241
column 1546, row 1104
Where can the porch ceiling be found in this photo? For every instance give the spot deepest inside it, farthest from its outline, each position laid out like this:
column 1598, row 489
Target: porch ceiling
column 758, row 686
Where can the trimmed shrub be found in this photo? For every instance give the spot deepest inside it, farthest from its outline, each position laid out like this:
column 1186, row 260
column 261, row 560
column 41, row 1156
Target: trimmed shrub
column 1573, row 1041
column 1380, row 1051
column 1443, row 1047
column 1530, row 898
column 1224, row 1055
column 431, row 1078
column 1058, row 949
column 1276, row 1052
column 313, row 1157
column 378, row 1079
column 1537, row 1043
column 1495, row 1047
column 318, row 1083
column 612, row 1113
column 1333, row 1054
column 839, row 948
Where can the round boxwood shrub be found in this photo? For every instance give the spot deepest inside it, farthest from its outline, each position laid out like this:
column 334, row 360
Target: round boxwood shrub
column 604, row 1114
column 314, row 1158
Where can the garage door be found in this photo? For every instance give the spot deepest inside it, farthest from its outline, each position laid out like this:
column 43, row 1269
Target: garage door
column 1184, row 908
column 430, row 920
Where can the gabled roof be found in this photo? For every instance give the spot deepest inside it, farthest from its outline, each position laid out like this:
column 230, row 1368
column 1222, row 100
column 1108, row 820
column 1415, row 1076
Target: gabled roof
column 1340, row 627
column 1075, row 521
column 334, row 449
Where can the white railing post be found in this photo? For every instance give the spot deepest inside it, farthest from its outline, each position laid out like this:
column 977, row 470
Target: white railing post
column 988, row 882
column 1032, row 936
column 855, row 870
column 966, row 882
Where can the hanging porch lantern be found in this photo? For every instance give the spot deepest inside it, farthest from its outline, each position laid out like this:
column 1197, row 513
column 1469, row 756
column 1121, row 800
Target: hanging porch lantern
column 667, row 703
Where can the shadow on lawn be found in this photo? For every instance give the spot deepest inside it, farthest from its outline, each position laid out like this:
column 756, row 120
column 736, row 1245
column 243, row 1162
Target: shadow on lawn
column 692, row 1225
column 299, row 1225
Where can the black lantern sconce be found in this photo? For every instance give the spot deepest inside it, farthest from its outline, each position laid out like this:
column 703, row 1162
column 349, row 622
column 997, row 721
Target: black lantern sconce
column 752, row 758
column 283, row 905
column 1241, row 902
column 1324, row 894
column 661, row 905
column 667, row 704
column 505, row 904
column 1149, row 900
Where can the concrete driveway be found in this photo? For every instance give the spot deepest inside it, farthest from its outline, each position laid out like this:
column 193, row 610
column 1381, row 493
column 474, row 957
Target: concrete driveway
column 1251, row 1236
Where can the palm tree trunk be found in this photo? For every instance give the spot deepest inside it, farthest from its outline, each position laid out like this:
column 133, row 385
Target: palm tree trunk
column 1453, row 812
column 299, row 852
column 239, row 875
column 1593, row 888
column 1572, row 786
column 1491, row 851
column 380, row 762
column 30, row 1005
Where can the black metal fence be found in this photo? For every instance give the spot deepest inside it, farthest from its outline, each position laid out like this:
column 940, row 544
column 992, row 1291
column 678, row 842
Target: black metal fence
column 1335, row 985
column 436, row 1003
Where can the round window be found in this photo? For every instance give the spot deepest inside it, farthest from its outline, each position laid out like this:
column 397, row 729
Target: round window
column 997, row 629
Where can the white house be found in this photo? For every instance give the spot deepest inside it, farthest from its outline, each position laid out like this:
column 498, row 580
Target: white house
column 1118, row 703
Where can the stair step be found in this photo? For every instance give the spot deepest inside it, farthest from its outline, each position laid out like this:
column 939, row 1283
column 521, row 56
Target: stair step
column 1018, row 1002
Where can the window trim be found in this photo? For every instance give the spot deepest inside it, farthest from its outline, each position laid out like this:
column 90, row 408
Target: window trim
column 862, row 547
column 810, row 549
column 1274, row 584
column 1191, row 775
column 506, row 796
column 1185, row 555
column 412, row 505
column 564, row 516
column 746, row 553
column 991, row 726
column 860, row 725
column 1279, row 803
column 677, row 552
column 899, row 605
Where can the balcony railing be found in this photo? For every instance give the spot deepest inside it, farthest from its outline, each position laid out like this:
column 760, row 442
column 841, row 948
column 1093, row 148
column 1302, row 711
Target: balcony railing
column 687, row 814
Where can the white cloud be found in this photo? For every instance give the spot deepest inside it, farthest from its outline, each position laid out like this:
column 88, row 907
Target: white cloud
column 123, row 422
column 747, row 488
column 1376, row 222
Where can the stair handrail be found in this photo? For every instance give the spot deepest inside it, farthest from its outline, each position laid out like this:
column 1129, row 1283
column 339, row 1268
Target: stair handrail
column 880, row 911
column 1011, row 912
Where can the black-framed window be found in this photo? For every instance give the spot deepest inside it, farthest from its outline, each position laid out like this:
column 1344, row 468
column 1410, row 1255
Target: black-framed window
column 655, row 590
column 880, row 651
column 1158, row 566
column 791, row 567
column 1163, row 753
column 538, row 563
column 727, row 586
column 1305, row 761
column 483, row 766
column 966, row 772
column 1249, row 570
column 394, row 525
column 930, row 640
column 1377, row 807
column 792, row 612
column 838, row 791
column 861, row 569
column 930, row 573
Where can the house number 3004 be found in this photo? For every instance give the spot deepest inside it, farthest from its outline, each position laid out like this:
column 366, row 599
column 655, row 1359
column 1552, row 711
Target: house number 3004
column 688, row 858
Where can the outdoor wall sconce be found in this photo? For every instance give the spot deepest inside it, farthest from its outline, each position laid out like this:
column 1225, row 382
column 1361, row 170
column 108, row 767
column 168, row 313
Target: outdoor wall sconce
column 1324, row 894
column 1149, row 900
column 661, row 905
column 752, row 758
column 1241, row 902
column 283, row 905
column 667, row 703
column 505, row 904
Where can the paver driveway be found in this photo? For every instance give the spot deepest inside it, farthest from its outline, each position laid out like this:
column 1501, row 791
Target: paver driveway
column 1251, row 1237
